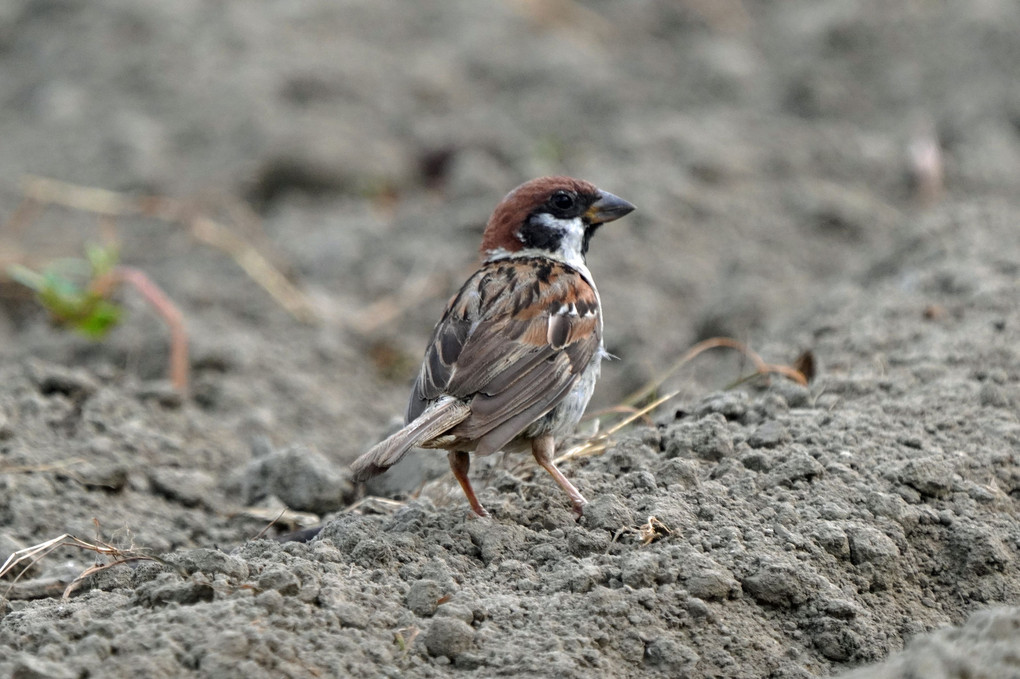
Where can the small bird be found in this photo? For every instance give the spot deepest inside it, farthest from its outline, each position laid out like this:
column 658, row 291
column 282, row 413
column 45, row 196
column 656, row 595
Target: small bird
column 513, row 361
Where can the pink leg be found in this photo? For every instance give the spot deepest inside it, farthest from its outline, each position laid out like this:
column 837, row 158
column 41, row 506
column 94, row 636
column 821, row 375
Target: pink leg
column 460, row 462
column 543, row 448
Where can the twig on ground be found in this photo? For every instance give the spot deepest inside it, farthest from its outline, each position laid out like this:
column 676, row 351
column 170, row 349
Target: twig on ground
column 652, row 530
column 599, row 442
column 617, row 409
column 98, row 568
column 33, row 554
column 288, row 517
column 380, row 505
column 45, row 191
column 761, row 367
column 269, row 525
column 257, row 266
column 60, row 465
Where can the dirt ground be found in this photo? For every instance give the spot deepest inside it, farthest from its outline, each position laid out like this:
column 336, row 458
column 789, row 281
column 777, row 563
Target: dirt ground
column 785, row 158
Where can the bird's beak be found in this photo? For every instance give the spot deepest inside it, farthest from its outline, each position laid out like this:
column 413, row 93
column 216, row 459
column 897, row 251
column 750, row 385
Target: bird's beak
column 607, row 208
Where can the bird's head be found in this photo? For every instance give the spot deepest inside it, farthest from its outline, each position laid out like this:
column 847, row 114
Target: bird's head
column 551, row 216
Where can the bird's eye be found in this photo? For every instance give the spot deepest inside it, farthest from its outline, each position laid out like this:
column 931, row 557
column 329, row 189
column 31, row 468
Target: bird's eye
column 561, row 200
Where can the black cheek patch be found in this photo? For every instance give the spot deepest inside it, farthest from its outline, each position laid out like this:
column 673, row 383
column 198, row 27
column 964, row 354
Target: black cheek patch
column 540, row 236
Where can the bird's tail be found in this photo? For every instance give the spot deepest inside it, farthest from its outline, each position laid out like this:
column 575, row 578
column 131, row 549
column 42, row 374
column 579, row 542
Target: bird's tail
column 438, row 418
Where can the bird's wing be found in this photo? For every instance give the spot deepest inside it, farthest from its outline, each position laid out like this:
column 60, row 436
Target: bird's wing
column 512, row 343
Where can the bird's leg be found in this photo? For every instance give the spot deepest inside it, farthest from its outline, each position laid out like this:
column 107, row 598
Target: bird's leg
column 543, row 448
column 460, row 462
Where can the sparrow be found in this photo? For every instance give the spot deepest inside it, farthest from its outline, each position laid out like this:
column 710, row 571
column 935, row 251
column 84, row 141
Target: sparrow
column 513, row 361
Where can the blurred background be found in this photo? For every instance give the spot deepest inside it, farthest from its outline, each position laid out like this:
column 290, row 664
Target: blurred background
column 307, row 181
column 774, row 148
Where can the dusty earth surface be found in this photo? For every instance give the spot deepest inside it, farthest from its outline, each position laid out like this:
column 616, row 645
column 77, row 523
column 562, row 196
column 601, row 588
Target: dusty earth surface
column 867, row 523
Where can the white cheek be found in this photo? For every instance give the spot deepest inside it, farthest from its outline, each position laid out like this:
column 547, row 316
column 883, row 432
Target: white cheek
column 572, row 239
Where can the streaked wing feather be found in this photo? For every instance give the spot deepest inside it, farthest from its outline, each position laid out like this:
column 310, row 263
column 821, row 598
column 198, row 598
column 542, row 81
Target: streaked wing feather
column 507, row 428
column 496, row 351
column 441, row 355
column 514, row 350
column 542, row 387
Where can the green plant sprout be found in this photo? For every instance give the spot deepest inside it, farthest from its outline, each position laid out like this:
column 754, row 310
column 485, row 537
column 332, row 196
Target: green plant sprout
column 78, row 293
column 64, row 289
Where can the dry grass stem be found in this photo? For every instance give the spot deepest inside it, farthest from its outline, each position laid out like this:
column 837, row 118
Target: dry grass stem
column 60, row 465
column 288, row 517
column 41, row 191
column 652, row 530
column 265, row 529
column 92, row 570
column 250, row 224
column 761, row 367
column 379, row 505
column 404, row 644
column 774, row 369
column 599, row 442
column 257, row 266
column 614, row 410
column 32, row 555
column 46, row 191
column 391, row 307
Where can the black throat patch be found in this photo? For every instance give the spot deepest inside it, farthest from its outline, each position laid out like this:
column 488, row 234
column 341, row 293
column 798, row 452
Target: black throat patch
column 589, row 231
